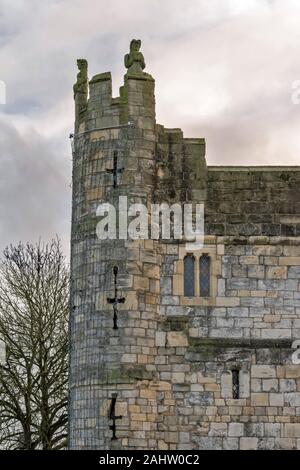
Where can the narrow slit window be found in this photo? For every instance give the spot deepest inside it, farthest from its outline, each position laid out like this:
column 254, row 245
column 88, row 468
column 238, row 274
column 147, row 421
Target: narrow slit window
column 204, row 267
column 112, row 416
column 235, row 384
column 189, row 276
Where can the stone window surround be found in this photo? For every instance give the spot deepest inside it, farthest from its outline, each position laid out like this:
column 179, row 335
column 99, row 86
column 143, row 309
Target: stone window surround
column 178, row 277
column 244, row 383
column 197, row 257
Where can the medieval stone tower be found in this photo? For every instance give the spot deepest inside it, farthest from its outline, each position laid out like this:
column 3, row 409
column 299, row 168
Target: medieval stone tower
column 173, row 348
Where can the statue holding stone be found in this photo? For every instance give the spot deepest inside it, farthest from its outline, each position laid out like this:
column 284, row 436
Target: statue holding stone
column 80, row 88
column 134, row 61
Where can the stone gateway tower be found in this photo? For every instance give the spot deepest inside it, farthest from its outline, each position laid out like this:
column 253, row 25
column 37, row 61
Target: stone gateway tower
column 174, row 347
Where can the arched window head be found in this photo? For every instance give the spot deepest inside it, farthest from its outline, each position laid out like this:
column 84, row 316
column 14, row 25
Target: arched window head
column 204, row 268
column 189, row 276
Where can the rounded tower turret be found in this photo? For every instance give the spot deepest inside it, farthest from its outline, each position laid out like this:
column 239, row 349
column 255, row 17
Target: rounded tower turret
column 115, row 281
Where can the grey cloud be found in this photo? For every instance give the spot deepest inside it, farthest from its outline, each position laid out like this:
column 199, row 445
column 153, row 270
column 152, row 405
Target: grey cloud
column 34, row 188
column 223, row 71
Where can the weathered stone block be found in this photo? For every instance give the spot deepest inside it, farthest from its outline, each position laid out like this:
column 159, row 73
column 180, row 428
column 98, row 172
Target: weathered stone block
column 292, row 430
column 160, row 338
column 292, row 371
column 292, row 399
column 131, row 358
column 248, row 443
column 244, row 377
column 259, row 399
column 272, row 429
column 263, row 371
column 249, row 260
column 238, row 312
column 294, row 272
column 178, row 377
column 289, row 261
column 176, row 339
column 230, row 443
column 200, row 398
column 276, row 333
column 270, row 385
column 276, row 272
column 226, row 385
column 254, row 429
column 166, row 285
column 227, row 301
column 218, row 429
column 256, row 271
column 236, row 429
column 169, row 300
column 205, row 443
column 276, row 399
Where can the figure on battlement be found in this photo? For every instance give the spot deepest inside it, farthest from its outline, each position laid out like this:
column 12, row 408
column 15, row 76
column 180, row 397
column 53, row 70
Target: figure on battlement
column 80, row 88
column 134, row 61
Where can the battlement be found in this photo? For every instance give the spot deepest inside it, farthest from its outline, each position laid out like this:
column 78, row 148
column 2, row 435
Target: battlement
column 176, row 165
column 96, row 108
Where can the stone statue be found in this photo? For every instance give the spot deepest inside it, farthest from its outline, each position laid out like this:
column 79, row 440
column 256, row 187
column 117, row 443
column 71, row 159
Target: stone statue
column 81, row 85
column 134, row 61
column 80, row 88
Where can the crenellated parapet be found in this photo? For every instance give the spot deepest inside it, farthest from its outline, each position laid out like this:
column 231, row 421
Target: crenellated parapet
column 181, row 167
column 174, row 165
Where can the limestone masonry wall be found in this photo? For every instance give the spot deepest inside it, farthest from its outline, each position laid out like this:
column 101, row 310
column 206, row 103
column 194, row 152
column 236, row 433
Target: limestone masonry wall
column 253, row 201
column 150, row 366
column 249, row 327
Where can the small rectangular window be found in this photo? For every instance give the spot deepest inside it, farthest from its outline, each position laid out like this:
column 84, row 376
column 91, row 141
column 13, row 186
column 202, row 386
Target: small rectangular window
column 204, row 267
column 189, row 276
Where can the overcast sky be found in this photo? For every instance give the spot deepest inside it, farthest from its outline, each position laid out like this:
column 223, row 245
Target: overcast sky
column 224, row 70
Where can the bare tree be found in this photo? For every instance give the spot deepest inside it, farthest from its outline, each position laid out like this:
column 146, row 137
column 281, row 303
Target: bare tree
column 34, row 291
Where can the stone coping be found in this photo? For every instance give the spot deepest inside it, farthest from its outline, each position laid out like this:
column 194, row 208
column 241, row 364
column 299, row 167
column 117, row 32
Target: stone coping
column 255, row 240
column 100, row 77
column 252, row 343
column 138, row 76
column 240, row 240
column 253, row 168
